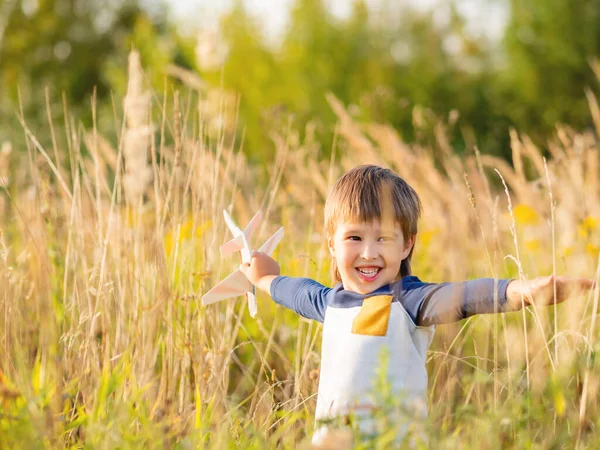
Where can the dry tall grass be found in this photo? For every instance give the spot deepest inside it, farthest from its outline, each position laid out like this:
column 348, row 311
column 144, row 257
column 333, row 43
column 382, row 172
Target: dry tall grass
column 106, row 250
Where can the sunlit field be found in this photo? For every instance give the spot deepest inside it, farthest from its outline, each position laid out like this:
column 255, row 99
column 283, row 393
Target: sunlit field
column 108, row 242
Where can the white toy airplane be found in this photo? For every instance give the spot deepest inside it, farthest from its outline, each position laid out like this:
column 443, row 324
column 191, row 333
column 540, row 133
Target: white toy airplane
column 237, row 284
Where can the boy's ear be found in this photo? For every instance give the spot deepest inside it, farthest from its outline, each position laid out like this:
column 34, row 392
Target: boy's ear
column 330, row 246
column 408, row 245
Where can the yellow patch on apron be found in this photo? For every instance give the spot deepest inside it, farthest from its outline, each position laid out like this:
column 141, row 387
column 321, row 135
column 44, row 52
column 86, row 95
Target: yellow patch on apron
column 374, row 316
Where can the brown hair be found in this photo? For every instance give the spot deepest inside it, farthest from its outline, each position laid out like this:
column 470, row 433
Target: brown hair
column 366, row 193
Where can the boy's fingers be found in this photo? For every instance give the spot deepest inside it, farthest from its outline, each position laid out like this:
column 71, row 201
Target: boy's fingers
column 577, row 286
column 583, row 283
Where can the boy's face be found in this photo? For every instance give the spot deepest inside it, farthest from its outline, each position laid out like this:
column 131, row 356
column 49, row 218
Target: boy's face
column 368, row 255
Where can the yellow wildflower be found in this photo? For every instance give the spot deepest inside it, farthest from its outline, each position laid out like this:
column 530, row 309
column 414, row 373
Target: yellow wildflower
column 525, row 215
column 425, row 237
column 559, row 402
column 592, row 250
column 533, row 245
column 186, row 232
column 588, row 225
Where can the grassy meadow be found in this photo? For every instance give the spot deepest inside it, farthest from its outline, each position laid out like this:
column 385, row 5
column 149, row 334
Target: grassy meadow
column 107, row 243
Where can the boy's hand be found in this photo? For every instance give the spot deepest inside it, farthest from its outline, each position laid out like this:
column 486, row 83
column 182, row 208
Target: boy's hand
column 540, row 291
column 261, row 271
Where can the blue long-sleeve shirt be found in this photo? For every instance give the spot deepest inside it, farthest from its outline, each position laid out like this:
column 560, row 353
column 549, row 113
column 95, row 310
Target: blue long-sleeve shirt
column 426, row 303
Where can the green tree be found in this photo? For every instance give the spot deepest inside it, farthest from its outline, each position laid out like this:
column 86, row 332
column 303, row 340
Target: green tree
column 548, row 46
column 250, row 71
column 66, row 46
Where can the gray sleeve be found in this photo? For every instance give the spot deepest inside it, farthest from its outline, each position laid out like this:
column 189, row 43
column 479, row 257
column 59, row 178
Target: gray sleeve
column 432, row 304
column 302, row 295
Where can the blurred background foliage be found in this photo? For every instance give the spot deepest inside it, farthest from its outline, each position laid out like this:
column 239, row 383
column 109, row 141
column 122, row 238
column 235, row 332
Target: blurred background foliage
column 396, row 65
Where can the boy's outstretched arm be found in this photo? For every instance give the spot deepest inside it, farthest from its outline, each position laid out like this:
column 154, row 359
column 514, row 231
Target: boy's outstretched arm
column 302, row 295
column 432, row 304
column 540, row 291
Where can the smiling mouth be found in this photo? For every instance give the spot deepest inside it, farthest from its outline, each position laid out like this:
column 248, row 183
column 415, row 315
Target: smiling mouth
column 368, row 274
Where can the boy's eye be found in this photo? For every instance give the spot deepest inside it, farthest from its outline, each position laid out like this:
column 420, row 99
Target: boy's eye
column 354, row 238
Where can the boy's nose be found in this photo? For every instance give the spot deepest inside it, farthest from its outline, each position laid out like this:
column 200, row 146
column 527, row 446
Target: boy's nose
column 369, row 251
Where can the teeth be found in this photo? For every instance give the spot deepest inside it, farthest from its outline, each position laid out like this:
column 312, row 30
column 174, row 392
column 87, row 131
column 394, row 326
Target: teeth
column 368, row 272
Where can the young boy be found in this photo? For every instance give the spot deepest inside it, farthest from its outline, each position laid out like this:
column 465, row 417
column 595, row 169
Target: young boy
column 371, row 222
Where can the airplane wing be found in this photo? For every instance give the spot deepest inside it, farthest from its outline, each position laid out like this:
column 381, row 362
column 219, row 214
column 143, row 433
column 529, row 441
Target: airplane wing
column 271, row 244
column 234, row 285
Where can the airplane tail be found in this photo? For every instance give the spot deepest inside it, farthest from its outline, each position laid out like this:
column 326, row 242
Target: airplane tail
column 237, row 243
